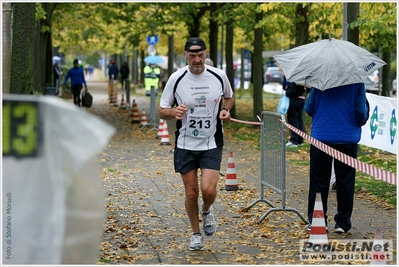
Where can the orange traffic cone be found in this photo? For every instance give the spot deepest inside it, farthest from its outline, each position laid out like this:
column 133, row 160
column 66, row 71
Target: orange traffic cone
column 165, row 135
column 231, row 176
column 160, row 128
column 378, row 257
column 143, row 119
column 133, row 106
column 123, row 104
column 115, row 99
column 135, row 113
column 111, row 96
column 318, row 231
column 110, row 87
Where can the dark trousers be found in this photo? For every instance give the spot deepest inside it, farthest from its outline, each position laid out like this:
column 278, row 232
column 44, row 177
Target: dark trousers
column 123, row 81
column 295, row 118
column 76, row 94
column 320, row 175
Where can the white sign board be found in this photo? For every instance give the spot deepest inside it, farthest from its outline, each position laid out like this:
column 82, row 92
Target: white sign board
column 380, row 131
column 53, row 200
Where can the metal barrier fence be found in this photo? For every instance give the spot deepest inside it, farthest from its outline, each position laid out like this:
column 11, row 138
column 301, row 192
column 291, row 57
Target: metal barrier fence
column 153, row 111
column 273, row 167
column 127, row 87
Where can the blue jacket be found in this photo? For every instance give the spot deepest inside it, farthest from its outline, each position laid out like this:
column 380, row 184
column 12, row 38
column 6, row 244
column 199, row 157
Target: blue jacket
column 77, row 76
column 338, row 113
column 113, row 70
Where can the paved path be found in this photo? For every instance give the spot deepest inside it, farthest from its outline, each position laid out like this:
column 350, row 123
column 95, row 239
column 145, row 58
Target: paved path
column 146, row 221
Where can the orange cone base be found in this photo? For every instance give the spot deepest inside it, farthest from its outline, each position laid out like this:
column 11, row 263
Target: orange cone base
column 165, row 143
column 231, row 188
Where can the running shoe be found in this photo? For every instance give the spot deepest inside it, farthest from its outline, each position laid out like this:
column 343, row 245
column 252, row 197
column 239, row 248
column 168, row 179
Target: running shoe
column 339, row 230
column 209, row 222
column 196, row 242
column 290, row 144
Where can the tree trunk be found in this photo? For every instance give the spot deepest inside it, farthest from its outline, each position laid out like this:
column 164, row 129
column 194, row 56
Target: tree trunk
column 386, row 70
column 48, row 47
column 7, row 41
column 229, row 56
column 171, row 54
column 257, row 69
column 213, row 33
column 22, row 75
column 353, row 14
column 301, row 25
column 143, row 64
column 195, row 30
column 38, row 66
column 135, row 70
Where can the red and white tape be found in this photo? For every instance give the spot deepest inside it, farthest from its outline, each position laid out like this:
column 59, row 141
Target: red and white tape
column 246, row 122
column 383, row 175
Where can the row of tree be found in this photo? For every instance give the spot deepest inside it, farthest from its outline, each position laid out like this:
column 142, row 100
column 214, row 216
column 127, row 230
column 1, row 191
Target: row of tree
column 121, row 28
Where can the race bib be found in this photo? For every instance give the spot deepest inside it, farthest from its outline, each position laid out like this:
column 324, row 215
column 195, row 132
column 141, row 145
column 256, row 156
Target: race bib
column 199, row 126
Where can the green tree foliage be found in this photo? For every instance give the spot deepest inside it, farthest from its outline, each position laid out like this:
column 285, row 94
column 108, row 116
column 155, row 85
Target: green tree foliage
column 377, row 27
column 79, row 29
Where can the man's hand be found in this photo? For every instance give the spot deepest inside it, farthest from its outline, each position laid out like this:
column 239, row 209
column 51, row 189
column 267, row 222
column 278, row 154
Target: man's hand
column 224, row 115
column 180, row 111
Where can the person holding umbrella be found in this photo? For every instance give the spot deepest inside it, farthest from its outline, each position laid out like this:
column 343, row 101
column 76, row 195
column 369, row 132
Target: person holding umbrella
column 335, row 70
column 57, row 75
column 337, row 117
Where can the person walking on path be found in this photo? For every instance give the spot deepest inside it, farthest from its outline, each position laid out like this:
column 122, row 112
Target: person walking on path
column 203, row 97
column 337, row 117
column 57, row 75
column 77, row 79
column 295, row 110
column 113, row 71
column 124, row 73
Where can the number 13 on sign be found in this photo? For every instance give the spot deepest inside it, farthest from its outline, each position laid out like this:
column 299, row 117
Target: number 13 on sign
column 21, row 129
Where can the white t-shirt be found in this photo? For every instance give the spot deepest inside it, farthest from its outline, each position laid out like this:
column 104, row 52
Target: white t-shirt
column 200, row 129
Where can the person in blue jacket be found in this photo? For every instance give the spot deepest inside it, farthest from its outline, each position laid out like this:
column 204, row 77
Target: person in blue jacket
column 337, row 117
column 77, row 79
column 113, row 70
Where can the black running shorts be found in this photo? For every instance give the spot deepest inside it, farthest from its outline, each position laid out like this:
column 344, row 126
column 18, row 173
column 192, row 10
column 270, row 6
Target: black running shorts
column 187, row 160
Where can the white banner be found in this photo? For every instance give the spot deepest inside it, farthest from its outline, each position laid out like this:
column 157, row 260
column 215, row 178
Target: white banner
column 52, row 196
column 380, row 131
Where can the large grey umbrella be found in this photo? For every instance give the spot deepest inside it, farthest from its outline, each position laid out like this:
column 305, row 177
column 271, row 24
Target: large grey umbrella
column 328, row 63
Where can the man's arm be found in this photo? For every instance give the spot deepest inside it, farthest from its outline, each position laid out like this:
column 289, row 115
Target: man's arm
column 228, row 103
column 166, row 113
column 66, row 78
column 171, row 113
